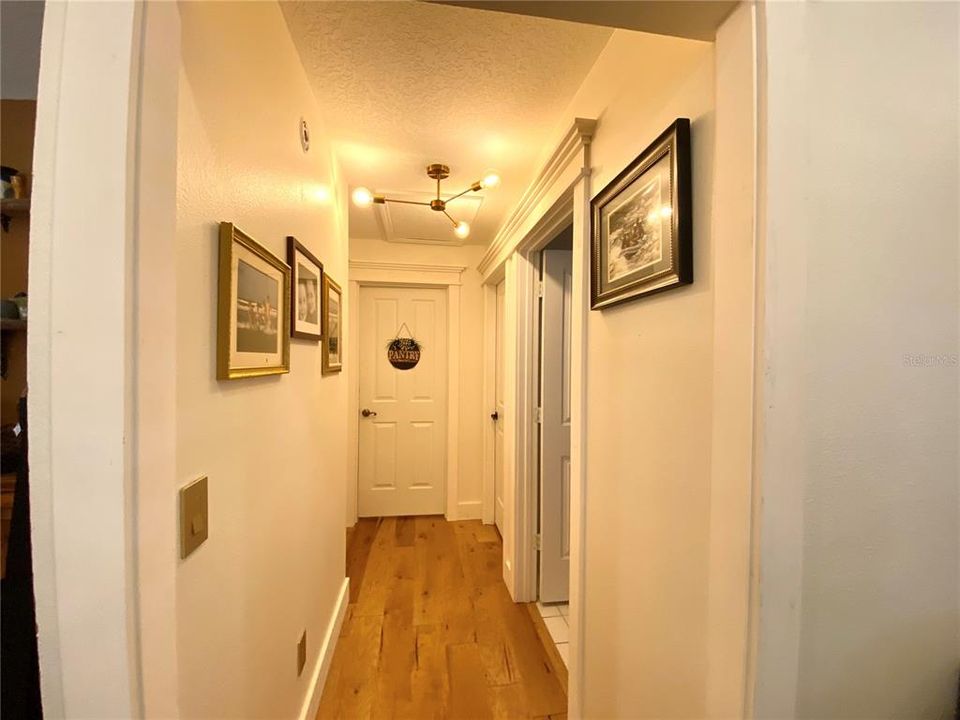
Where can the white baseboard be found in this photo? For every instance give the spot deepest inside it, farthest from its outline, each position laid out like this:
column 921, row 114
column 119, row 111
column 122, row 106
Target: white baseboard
column 469, row 510
column 311, row 702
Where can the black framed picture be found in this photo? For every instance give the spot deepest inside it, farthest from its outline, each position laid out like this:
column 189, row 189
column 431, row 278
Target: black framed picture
column 306, row 284
column 641, row 224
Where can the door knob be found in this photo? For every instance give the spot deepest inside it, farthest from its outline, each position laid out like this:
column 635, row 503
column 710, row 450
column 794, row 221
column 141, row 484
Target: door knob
column 494, row 416
column 368, row 413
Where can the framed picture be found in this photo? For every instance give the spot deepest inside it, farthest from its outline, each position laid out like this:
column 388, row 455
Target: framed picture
column 332, row 326
column 640, row 224
column 253, row 320
column 305, row 287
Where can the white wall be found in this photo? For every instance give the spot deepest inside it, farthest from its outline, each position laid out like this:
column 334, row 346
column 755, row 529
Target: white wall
column 860, row 542
column 649, row 412
column 668, row 396
column 273, row 448
column 472, row 411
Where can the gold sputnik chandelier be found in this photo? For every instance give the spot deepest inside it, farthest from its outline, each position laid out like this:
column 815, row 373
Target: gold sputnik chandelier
column 362, row 197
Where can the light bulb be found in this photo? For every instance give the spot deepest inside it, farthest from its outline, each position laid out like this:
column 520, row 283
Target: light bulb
column 462, row 230
column 490, row 180
column 322, row 194
column 362, row 197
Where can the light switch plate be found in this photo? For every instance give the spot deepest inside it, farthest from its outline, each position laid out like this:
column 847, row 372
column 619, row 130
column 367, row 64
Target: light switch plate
column 301, row 653
column 193, row 516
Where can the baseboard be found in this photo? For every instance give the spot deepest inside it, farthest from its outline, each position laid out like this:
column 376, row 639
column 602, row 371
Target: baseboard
column 311, row 702
column 469, row 510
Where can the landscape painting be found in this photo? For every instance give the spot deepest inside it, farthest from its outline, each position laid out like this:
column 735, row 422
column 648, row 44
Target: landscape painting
column 257, row 295
column 253, row 316
column 636, row 232
column 641, row 232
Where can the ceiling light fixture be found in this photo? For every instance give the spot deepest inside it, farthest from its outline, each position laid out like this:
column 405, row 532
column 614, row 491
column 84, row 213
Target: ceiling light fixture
column 362, row 197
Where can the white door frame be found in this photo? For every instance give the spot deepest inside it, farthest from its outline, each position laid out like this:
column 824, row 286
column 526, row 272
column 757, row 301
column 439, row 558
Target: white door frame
column 559, row 195
column 489, row 490
column 101, row 402
column 528, row 384
column 364, row 273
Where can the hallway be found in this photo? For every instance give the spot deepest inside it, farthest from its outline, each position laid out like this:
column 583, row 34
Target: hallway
column 431, row 630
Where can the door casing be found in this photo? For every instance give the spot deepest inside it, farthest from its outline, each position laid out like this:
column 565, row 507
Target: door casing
column 565, row 180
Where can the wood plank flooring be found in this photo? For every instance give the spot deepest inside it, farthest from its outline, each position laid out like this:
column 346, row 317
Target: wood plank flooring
column 431, row 631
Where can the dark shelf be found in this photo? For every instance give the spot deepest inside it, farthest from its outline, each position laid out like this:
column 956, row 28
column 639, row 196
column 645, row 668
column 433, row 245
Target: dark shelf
column 11, row 208
column 9, row 324
column 15, row 206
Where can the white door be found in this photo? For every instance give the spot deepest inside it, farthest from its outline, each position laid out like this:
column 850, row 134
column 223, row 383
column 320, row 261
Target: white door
column 403, row 423
column 500, row 414
column 555, row 356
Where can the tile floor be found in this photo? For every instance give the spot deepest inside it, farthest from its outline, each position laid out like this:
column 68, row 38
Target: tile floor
column 555, row 618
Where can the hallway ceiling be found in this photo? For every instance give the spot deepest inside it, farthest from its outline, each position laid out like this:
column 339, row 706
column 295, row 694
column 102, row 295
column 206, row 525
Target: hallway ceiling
column 404, row 84
column 693, row 19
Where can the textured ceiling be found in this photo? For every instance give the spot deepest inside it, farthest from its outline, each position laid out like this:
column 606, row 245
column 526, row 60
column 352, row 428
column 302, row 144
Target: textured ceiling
column 404, row 84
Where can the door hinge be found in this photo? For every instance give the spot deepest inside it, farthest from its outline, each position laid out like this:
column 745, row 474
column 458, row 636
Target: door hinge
column 538, row 539
column 539, row 414
column 540, row 288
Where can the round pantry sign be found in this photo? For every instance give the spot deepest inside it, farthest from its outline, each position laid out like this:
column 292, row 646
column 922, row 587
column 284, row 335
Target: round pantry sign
column 403, row 353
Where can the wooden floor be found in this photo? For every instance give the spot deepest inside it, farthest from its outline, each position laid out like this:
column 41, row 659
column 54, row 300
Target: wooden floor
column 431, row 631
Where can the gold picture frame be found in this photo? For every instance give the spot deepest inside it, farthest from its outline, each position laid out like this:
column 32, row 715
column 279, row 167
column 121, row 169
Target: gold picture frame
column 332, row 327
column 253, row 317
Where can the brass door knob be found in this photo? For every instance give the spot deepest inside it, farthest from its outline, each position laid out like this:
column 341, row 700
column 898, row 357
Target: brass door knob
column 368, row 413
column 494, row 416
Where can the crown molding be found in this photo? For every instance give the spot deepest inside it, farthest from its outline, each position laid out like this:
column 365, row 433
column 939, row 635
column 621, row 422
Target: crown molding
column 573, row 142
column 405, row 267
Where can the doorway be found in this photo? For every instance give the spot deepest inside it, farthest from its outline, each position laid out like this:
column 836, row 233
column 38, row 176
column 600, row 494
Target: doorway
column 555, row 292
column 403, row 416
column 499, row 412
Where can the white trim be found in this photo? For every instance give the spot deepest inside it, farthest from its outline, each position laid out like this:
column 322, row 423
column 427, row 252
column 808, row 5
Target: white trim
column 369, row 271
column 566, row 153
column 525, row 496
column 528, row 376
column 353, row 401
column 156, row 368
column 82, row 375
column 453, row 402
column 488, row 490
column 321, row 668
column 469, row 510
column 383, row 274
column 759, row 210
column 564, row 182
column 578, row 438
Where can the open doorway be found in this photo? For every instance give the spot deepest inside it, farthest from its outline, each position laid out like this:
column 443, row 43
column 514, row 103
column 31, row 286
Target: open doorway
column 499, row 413
column 555, row 298
column 20, row 677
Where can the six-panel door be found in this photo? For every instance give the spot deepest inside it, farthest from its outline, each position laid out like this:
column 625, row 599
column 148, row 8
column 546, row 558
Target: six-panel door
column 403, row 431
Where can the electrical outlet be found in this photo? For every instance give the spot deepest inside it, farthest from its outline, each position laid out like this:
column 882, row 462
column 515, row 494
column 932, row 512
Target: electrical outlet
column 301, row 653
